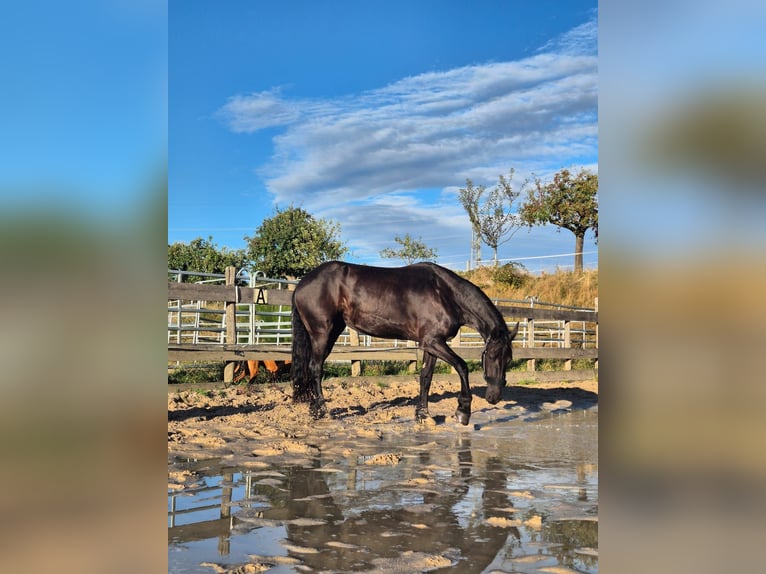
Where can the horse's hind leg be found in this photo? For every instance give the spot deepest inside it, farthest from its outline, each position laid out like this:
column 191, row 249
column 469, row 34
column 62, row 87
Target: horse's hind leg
column 322, row 346
column 316, row 365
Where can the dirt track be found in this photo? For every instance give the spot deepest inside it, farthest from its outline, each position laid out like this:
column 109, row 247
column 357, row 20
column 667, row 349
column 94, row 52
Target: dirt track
column 244, row 424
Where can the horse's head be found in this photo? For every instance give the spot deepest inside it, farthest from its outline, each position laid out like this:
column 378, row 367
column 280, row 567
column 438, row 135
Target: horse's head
column 495, row 359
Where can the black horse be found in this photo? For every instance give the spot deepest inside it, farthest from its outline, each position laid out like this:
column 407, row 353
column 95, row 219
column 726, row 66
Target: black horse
column 422, row 302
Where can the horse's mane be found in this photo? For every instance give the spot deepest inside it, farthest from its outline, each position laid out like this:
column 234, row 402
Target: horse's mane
column 480, row 312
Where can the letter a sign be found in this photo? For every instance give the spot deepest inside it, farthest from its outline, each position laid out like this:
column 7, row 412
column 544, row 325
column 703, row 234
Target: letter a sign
column 260, row 299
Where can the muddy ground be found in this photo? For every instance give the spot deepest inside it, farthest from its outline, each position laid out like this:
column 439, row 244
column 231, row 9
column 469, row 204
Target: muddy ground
column 338, row 516
column 241, row 423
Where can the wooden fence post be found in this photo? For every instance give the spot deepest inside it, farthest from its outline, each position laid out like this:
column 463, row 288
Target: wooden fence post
column 530, row 342
column 568, row 343
column 356, row 366
column 456, row 342
column 179, row 279
column 224, row 542
column 595, row 305
column 412, row 366
column 231, row 323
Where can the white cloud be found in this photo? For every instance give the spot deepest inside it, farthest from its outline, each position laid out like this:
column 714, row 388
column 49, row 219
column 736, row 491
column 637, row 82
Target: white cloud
column 582, row 39
column 257, row 111
column 363, row 158
column 426, row 131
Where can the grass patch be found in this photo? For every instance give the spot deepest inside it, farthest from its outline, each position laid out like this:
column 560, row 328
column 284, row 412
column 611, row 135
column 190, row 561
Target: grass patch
column 552, row 364
column 524, row 382
column 382, row 368
column 196, row 373
column 518, row 365
column 339, row 370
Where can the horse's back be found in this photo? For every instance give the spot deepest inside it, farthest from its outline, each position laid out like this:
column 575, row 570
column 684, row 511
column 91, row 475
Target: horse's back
column 337, row 279
column 319, row 278
column 396, row 302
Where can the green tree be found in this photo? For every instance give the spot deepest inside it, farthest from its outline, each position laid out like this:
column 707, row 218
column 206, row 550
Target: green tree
column 491, row 215
column 293, row 242
column 411, row 250
column 568, row 202
column 203, row 255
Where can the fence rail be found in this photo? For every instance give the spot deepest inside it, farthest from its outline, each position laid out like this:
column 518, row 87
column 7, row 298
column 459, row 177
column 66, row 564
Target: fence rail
column 234, row 322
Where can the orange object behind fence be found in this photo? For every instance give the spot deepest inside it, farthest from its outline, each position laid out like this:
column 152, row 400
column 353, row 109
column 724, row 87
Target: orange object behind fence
column 249, row 369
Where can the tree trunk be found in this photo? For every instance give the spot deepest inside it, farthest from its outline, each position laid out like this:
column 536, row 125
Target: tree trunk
column 476, row 247
column 579, row 242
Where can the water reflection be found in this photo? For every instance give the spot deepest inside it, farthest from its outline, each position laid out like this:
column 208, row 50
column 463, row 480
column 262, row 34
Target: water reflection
column 182, row 530
column 471, row 498
column 573, row 541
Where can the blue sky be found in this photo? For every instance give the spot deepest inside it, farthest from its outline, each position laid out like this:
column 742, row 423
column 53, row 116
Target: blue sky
column 83, row 104
column 373, row 114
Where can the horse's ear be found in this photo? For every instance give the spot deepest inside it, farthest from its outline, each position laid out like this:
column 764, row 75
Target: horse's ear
column 514, row 331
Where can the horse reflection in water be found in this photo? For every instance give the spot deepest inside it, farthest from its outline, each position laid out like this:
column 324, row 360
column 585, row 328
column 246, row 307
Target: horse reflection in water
column 381, row 522
column 422, row 302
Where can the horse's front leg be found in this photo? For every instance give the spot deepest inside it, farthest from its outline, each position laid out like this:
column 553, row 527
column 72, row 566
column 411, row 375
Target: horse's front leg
column 463, row 411
column 443, row 351
column 426, row 374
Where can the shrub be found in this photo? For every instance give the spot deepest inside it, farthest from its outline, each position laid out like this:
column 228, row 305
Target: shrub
column 512, row 274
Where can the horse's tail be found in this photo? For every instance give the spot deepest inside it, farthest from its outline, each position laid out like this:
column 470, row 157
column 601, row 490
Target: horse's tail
column 301, row 356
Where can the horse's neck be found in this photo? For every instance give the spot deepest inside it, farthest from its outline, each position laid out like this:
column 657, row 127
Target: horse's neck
column 478, row 311
column 485, row 328
column 482, row 315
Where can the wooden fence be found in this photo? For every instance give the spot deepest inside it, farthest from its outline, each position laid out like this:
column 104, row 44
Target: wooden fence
column 529, row 345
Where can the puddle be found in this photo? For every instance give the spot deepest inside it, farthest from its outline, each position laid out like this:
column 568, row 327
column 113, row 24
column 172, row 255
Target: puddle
column 502, row 496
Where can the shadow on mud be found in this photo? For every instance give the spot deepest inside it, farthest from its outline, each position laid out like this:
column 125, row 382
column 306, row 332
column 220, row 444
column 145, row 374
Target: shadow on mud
column 530, row 399
column 534, row 399
column 207, row 413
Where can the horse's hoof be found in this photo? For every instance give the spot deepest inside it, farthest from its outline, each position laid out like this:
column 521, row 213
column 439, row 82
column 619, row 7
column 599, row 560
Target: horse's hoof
column 462, row 417
column 318, row 411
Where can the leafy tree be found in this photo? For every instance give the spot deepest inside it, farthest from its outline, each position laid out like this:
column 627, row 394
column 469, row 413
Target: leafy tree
column 568, row 202
column 293, row 242
column 203, row 255
column 411, row 250
column 490, row 214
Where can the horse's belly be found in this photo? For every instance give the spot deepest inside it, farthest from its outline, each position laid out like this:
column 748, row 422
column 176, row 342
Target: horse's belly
column 387, row 334
column 380, row 326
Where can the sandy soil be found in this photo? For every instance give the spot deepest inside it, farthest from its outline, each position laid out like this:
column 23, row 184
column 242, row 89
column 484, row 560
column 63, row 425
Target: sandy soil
column 260, row 422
